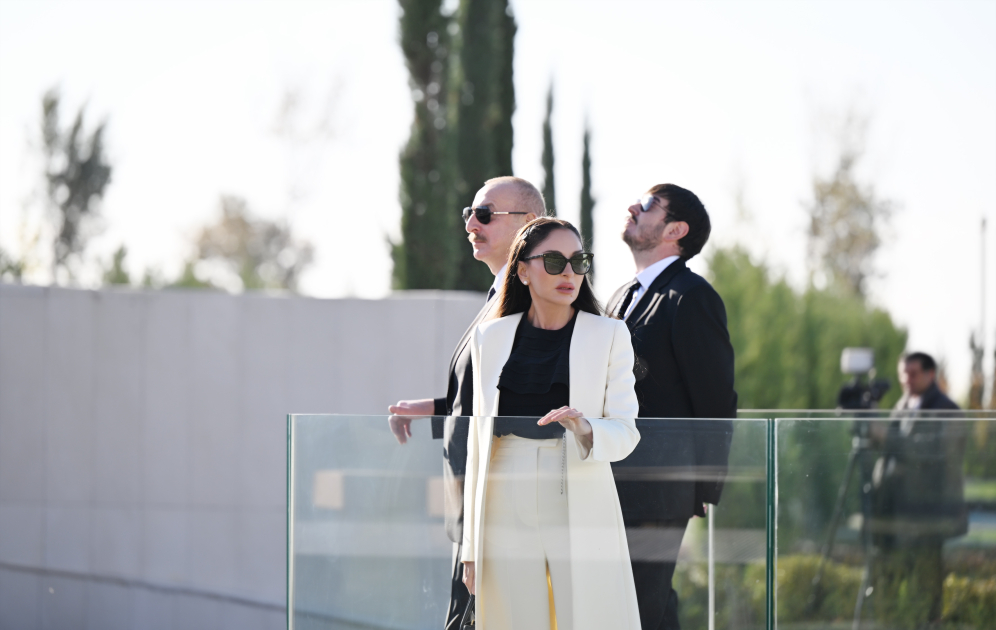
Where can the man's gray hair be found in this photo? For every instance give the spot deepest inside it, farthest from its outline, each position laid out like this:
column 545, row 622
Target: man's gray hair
column 528, row 198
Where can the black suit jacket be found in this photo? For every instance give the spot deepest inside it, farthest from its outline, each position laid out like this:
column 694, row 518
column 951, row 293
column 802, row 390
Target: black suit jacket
column 918, row 484
column 684, row 369
column 454, row 428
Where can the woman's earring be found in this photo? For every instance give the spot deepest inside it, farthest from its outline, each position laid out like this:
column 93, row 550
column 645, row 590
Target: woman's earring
column 525, row 282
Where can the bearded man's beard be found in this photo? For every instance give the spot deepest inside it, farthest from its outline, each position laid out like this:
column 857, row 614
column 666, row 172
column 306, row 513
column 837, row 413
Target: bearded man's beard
column 645, row 238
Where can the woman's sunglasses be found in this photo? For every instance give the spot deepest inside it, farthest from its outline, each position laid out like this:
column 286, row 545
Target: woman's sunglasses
column 555, row 263
column 483, row 214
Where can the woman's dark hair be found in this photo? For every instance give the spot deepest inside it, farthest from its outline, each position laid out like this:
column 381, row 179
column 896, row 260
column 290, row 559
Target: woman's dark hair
column 515, row 297
column 684, row 205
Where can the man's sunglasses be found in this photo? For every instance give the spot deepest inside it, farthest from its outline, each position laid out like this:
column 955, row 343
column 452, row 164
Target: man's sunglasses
column 647, row 202
column 483, row 214
column 555, row 263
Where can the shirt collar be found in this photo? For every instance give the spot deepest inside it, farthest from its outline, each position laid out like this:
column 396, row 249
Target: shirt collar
column 648, row 275
column 499, row 278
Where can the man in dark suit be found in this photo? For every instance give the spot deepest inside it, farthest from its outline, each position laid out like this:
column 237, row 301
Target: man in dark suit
column 918, row 497
column 684, row 369
column 503, row 206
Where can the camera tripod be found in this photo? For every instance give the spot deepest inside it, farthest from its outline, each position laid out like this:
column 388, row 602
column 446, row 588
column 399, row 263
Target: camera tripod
column 859, row 457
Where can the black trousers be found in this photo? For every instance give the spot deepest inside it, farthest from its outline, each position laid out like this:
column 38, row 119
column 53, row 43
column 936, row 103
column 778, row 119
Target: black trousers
column 459, row 595
column 653, row 551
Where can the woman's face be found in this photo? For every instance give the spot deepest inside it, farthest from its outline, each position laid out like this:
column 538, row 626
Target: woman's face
column 561, row 289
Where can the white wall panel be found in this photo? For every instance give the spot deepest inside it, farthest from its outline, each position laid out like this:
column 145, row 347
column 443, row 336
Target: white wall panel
column 314, row 372
column 164, row 546
column 19, row 600
column 116, row 541
column 265, row 345
column 22, row 532
column 411, row 349
column 212, row 549
column 364, row 346
column 214, row 434
column 22, row 395
column 119, row 386
column 168, row 402
column 109, row 607
column 69, row 391
column 67, row 537
column 265, row 533
column 143, row 435
column 63, row 601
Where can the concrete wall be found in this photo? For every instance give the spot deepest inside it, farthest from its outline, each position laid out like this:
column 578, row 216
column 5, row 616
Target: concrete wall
column 143, row 441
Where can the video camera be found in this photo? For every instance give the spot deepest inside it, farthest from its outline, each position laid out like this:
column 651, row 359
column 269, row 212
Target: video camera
column 864, row 391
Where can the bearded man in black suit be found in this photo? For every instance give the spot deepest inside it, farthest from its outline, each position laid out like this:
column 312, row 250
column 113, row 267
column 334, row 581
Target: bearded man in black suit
column 500, row 208
column 684, row 369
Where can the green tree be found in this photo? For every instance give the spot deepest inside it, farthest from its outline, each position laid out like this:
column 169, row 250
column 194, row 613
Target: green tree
column 76, row 173
column 846, row 217
column 484, row 98
column 587, row 201
column 505, row 86
column 425, row 258
column 11, row 269
column 549, row 189
column 787, row 345
column 116, row 273
column 240, row 252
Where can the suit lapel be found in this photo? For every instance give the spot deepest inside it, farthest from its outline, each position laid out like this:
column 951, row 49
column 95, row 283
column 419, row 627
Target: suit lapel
column 467, row 334
column 653, row 293
column 613, row 303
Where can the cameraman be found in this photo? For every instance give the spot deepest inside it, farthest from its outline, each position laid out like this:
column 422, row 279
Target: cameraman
column 917, row 496
column 918, row 377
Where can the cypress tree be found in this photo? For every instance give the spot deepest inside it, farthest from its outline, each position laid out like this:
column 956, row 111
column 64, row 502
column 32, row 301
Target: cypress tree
column 425, row 257
column 548, row 186
column 587, row 201
column 484, row 98
column 506, row 88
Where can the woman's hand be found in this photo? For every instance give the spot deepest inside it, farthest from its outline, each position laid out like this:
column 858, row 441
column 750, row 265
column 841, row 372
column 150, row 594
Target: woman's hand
column 571, row 419
column 468, row 576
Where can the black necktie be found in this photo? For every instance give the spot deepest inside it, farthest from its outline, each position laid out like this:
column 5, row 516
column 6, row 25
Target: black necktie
column 630, row 292
column 491, row 293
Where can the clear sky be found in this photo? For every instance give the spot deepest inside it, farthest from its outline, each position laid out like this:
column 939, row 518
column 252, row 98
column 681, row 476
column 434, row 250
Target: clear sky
column 720, row 97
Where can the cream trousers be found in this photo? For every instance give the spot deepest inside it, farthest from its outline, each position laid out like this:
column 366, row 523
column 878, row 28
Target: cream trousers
column 525, row 534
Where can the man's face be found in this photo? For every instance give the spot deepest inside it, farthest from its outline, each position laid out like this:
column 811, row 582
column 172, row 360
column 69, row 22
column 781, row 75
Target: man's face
column 645, row 230
column 914, row 378
column 491, row 242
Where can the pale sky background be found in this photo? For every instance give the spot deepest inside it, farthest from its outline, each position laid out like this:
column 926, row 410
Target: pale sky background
column 718, row 97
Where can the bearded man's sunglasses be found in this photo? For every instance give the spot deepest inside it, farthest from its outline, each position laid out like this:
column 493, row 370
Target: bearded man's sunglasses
column 555, row 263
column 483, row 214
column 647, row 202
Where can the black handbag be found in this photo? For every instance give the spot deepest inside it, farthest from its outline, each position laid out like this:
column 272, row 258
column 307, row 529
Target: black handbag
column 467, row 622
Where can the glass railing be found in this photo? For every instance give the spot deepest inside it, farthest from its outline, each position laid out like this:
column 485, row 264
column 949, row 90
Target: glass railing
column 823, row 519
column 886, row 522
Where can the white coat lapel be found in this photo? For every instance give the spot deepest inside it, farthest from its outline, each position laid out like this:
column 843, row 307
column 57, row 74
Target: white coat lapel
column 500, row 334
column 496, row 345
column 587, row 372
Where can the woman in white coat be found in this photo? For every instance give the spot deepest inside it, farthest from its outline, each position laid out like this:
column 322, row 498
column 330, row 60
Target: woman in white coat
column 544, row 542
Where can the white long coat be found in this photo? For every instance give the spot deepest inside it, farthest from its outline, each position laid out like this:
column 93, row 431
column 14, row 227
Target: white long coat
column 602, row 388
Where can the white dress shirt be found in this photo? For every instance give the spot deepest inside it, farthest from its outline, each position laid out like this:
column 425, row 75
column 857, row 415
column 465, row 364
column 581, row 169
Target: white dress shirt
column 499, row 279
column 646, row 278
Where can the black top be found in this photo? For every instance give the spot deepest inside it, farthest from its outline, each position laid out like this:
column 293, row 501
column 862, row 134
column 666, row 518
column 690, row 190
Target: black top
column 535, row 380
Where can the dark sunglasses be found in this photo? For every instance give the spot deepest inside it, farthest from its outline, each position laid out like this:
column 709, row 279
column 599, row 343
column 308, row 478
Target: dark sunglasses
column 647, row 202
column 483, row 214
column 555, row 263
